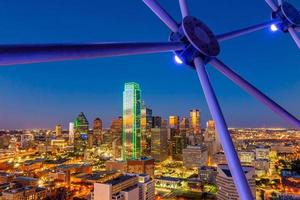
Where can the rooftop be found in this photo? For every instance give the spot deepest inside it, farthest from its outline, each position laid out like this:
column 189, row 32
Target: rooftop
column 120, row 179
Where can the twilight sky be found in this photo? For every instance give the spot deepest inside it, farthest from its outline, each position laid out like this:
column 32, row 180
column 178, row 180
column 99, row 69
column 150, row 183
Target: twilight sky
column 41, row 95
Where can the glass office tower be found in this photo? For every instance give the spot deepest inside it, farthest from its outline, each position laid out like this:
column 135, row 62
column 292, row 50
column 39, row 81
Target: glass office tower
column 131, row 137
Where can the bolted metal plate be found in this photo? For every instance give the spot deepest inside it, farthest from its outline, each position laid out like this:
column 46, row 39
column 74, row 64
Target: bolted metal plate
column 200, row 36
column 291, row 13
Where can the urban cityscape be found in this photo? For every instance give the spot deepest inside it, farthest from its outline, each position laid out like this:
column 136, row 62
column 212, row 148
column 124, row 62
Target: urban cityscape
column 118, row 128
column 142, row 156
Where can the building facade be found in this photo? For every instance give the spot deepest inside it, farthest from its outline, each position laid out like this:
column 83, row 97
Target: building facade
column 195, row 156
column 159, row 142
column 226, row 187
column 195, row 121
column 131, row 137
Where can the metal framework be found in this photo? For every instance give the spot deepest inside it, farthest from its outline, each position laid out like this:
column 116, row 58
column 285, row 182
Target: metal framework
column 193, row 44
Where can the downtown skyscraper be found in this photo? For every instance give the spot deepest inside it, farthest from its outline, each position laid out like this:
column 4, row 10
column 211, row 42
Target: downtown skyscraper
column 195, row 121
column 131, row 136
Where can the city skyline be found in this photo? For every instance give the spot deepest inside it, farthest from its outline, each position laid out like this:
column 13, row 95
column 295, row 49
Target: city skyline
column 55, row 93
column 107, row 122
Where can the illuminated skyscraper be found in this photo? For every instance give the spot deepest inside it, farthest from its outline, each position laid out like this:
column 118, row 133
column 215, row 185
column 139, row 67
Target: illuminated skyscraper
column 195, row 121
column 174, row 122
column 184, row 124
column 81, row 132
column 71, row 133
column 146, row 119
column 131, row 137
column 81, row 124
column 58, row 130
column 159, row 142
column 116, row 127
column 97, row 131
column 146, row 125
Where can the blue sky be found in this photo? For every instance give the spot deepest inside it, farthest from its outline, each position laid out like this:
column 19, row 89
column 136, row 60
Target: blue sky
column 41, row 95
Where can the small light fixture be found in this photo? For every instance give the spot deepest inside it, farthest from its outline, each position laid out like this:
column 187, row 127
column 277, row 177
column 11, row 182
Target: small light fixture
column 274, row 28
column 178, row 60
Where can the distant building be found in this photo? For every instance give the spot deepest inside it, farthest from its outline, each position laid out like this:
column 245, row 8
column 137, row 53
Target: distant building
column 226, row 187
column 212, row 137
column 146, row 125
column 116, row 127
column 159, row 142
column 195, row 121
column 156, row 122
column 81, row 124
column 61, row 143
column 195, row 156
column 81, row 133
column 262, row 167
column 58, row 130
column 174, row 122
column 146, row 119
column 131, row 137
column 247, row 157
column 71, row 133
column 125, row 187
column 184, row 126
column 97, row 131
column 262, row 152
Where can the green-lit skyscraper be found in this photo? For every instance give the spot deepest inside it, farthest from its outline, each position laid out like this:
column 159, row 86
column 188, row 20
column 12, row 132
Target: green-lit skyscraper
column 131, row 137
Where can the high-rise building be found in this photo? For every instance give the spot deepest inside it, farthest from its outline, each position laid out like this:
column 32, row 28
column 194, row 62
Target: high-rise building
column 116, row 127
column 156, row 122
column 195, row 156
column 97, row 131
column 159, row 142
column 195, row 121
column 212, row 141
column 225, row 184
column 97, row 126
column 125, row 187
column 81, row 132
column 131, row 137
column 81, row 125
column 210, row 132
column 146, row 119
column 174, row 122
column 58, row 130
column 184, row 126
column 146, row 125
column 71, row 133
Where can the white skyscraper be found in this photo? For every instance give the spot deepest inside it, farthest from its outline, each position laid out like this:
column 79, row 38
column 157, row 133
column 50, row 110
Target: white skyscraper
column 71, row 133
